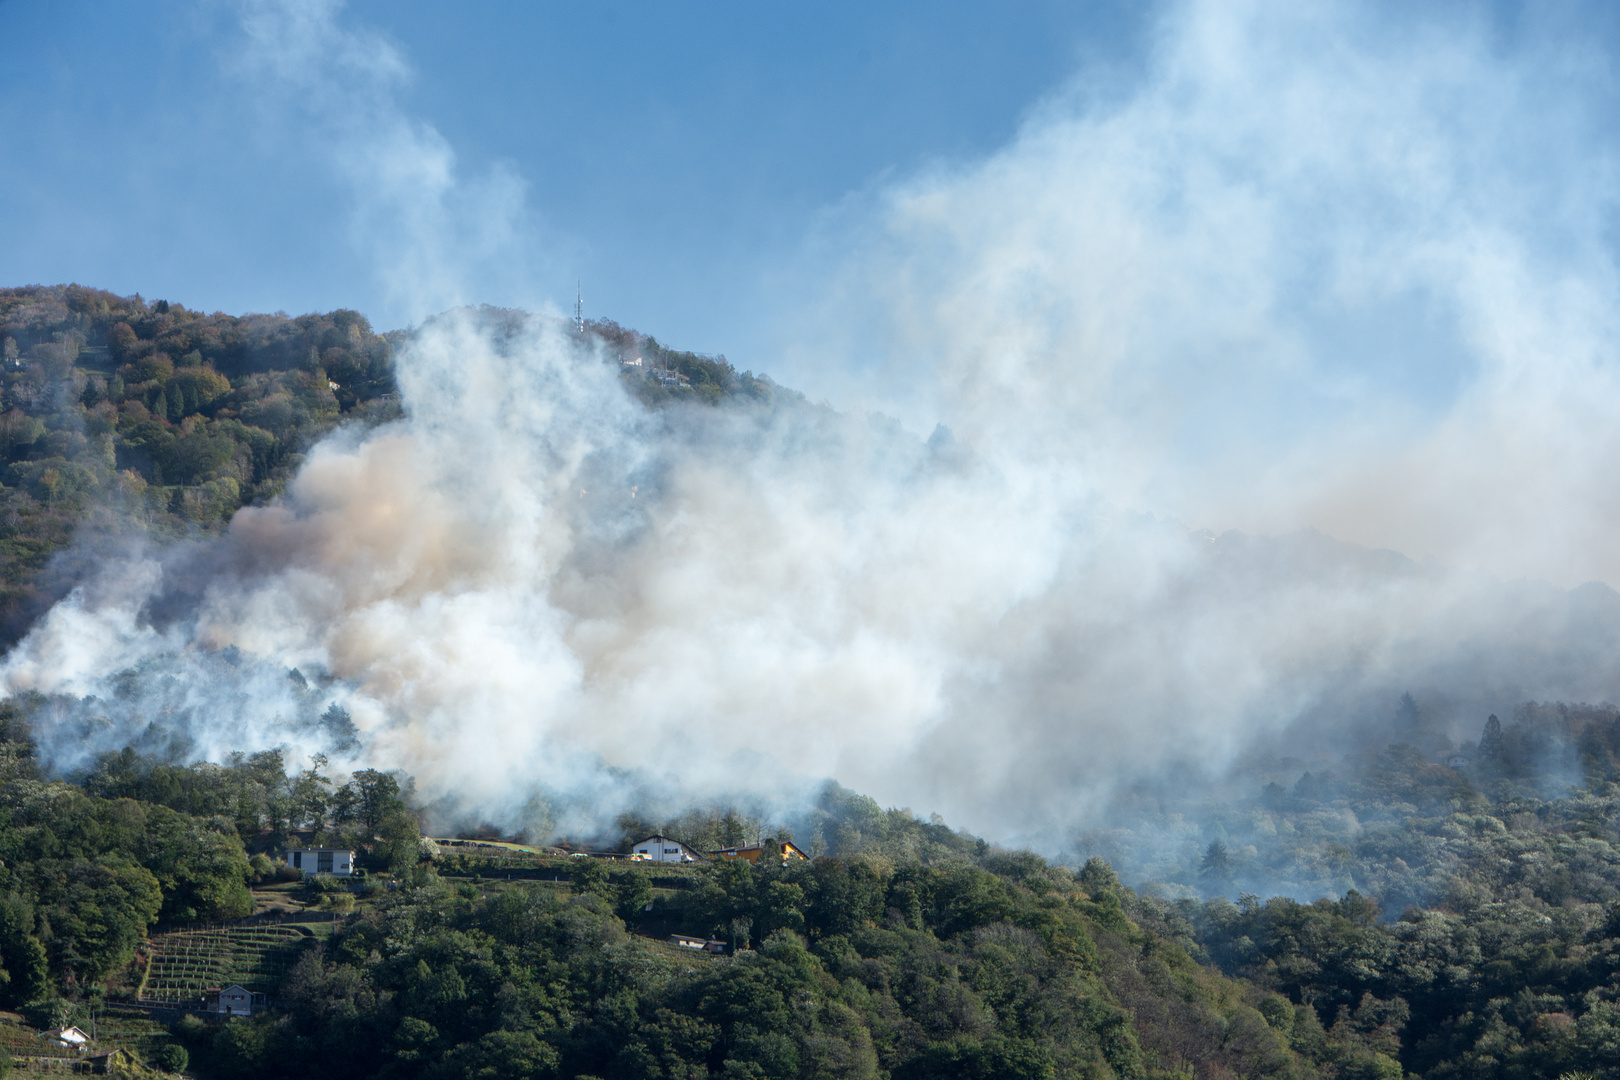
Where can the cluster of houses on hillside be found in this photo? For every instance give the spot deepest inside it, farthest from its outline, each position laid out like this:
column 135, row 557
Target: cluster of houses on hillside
column 658, row 849
column 663, row 849
column 233, row 1000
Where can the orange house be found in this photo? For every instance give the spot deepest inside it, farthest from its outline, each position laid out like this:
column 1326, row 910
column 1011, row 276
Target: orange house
column 752, row 854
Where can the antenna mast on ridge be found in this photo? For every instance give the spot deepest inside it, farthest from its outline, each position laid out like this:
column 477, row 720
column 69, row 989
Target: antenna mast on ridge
column 579, row 308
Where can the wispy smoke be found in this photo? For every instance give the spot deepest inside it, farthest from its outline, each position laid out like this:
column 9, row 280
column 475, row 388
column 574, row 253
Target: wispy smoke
column 438, row 235
column 1311, row 270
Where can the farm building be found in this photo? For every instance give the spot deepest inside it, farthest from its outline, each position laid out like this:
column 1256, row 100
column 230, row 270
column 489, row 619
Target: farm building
column 68, row 1036
column 321, row 860
column 752, row 854
column 713, row 945
column 662, row 849
column 234, row 1000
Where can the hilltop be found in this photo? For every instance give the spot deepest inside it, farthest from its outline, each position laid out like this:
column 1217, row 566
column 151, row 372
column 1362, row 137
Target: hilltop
column 140, row 420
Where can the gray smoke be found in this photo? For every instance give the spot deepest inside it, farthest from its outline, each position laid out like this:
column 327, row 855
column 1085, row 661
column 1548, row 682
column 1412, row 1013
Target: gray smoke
column 1287, row 282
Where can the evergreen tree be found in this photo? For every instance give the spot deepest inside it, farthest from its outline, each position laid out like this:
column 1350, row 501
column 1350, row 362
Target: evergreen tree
column 1407, row 714
column 1490, row 740
column 1216, row 866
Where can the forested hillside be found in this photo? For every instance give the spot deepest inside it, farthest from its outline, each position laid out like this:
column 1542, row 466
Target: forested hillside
column 1399, row 905
column 126, row 417
column 135, row 419
column 909, row 950
column 906, row 949
column 1480, row 925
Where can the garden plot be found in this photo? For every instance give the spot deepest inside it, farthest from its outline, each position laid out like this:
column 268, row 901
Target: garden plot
column 181, row 965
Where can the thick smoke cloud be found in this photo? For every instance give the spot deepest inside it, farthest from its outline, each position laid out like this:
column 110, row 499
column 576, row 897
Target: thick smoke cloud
column 1334, row 266
column 1308, row 270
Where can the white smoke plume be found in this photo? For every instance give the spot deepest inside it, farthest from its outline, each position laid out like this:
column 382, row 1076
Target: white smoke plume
column 1310, row 270
column 1337, row 265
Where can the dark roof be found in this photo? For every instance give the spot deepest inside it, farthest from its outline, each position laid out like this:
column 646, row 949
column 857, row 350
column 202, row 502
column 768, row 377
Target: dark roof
column 787, row 847
column 316, row 850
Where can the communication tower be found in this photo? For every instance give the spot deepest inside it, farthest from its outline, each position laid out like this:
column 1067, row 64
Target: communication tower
column 579, row 308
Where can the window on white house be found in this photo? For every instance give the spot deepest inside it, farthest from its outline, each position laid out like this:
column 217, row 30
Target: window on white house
column 298, row 860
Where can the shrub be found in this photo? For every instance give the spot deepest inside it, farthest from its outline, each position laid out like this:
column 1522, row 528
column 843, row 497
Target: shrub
column 342, row 903
column 48, row 1013
column 172, row 1057
column 326, row 883
column 191, row 1028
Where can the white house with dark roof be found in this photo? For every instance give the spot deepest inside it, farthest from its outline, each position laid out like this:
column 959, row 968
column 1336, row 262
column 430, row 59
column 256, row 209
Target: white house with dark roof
column 324, row 860
column 68, row 1036
column 662, row 849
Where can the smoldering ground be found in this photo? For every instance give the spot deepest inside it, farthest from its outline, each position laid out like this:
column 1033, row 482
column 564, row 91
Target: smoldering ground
column 1278, row 280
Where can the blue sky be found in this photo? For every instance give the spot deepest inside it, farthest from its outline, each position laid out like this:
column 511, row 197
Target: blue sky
column 674, row 157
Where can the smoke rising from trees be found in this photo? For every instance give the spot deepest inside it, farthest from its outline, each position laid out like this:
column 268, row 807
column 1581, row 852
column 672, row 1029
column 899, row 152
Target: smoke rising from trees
column 1285, row 280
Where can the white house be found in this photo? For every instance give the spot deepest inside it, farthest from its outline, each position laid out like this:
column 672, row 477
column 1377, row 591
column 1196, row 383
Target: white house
column 708, row 945
column 322, row 860
column 662, row 849
column 234, row 1000
column 68, row 1036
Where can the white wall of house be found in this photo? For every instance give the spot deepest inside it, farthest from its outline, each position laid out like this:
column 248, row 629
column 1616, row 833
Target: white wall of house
column 68, row 1036
column 235, row 1001
column 321, row 861
column 662, row 849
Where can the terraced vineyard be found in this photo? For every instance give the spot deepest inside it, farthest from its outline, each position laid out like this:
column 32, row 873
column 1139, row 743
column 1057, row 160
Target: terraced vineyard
column 22, row 1042
column 181, row 965
column 124, row 1028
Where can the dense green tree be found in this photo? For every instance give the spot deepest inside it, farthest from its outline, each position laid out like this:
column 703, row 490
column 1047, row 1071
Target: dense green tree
column 171, row 1057
column 101, row 908
column 632, row 893
column 1490, row 740
column 26, row 974
column 376, row 796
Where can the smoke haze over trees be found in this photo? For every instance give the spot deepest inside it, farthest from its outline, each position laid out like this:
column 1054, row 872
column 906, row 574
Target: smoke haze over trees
column 1207, row 499
column 523, row 540
column 1117, row 372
